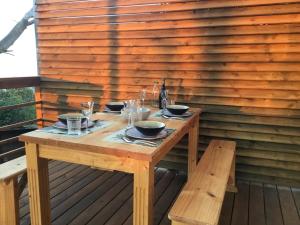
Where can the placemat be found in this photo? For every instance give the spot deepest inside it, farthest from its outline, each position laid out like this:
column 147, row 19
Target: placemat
column 100, row 124
column 118, row 135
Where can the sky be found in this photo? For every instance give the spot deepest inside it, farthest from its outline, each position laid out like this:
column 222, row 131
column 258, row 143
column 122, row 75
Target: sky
column 23, row 62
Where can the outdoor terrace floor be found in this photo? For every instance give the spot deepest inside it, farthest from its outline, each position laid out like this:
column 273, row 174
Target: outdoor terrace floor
column 81, row 195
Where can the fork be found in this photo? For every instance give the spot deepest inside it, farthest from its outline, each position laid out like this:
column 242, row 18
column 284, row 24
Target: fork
column 172, row 117
column 149, row 143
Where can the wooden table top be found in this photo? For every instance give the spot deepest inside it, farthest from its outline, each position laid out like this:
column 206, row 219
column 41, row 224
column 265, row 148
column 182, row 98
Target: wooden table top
column 97, row 142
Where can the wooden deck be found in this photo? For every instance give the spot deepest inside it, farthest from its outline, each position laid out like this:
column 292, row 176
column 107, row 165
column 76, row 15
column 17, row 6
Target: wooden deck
column 81, row 195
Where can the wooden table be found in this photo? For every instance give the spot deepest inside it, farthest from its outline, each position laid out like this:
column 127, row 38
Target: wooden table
column 94, row 150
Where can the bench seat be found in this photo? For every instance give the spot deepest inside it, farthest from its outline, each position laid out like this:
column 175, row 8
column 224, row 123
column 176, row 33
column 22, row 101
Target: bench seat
column 200, row 201
column 12, row 168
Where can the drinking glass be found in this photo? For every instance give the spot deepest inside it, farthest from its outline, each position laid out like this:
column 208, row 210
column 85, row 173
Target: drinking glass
column 132, row 112
column 74, row 125
column 87, row 110
column 143, row 96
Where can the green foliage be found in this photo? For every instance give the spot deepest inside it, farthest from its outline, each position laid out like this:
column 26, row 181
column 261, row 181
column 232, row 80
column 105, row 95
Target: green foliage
column 13, row 97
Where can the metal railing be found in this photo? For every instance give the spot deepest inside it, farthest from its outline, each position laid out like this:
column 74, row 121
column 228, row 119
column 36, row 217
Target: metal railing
column 19, row 82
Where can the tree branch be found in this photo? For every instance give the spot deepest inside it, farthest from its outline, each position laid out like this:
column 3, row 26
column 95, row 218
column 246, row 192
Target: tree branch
column 16, row 32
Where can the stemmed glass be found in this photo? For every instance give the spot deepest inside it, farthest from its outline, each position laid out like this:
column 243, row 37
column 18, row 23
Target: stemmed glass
column 143, row 96
column 87, row 110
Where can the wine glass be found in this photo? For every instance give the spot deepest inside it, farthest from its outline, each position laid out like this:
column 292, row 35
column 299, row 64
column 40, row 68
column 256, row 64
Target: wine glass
column 143, row 96
column 155, row 92
column 87, row 110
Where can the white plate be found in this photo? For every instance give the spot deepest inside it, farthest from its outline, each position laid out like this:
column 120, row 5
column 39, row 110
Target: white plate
column 134, row 133
column 110, row 111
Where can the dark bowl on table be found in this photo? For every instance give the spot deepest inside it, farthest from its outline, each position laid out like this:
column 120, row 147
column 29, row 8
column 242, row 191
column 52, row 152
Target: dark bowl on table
column 177, row 109
column 149, row 128
column 63, row 117
column 115, row 106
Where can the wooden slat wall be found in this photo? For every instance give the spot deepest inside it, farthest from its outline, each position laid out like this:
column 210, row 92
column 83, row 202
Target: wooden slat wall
column 238, row 60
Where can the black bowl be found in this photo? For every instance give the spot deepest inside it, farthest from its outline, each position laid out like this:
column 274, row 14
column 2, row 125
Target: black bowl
column 149, row 128
column 177, row 109
column 63, row 117
column 115, row 106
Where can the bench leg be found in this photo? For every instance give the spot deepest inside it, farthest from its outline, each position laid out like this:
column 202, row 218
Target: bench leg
column 9, row 204
column 193, row 147
column 231, row 187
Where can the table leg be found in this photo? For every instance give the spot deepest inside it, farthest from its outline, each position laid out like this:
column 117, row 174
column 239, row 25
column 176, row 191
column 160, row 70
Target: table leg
column 193, row 146
column 38, row 186
column 143, row 190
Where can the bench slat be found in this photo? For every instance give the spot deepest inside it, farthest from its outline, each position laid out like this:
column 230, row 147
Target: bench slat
column 201, row 199
column 12, row 168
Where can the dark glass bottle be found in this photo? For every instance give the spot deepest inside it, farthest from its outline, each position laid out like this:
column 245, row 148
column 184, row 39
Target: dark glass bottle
column 162, row 94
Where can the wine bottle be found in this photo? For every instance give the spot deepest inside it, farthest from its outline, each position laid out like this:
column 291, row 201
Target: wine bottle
column 162, row 94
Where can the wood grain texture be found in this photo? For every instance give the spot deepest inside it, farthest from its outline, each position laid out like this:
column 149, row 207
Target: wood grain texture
column 237, row 60
column 9, row 207
column 38, row 184
column 12, row 168
column 201, row 199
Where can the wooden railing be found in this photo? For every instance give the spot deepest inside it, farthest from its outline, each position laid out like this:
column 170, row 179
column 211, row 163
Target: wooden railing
column 19, row 82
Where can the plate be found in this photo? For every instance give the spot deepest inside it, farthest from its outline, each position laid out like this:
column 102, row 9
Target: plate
column 60, row 125
column 134, row 133
column 110, row 111
column 186, row 114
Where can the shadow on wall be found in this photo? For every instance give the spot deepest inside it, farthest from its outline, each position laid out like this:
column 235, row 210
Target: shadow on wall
column 62, row 96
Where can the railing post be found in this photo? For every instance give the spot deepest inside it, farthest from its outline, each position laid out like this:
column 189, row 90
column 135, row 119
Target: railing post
column 38, row 107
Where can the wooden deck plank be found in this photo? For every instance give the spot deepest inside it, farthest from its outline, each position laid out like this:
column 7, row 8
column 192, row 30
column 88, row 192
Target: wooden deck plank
column 157, row 202
column 102, row 180
column 161, row 206
column 59, row 184
column 288, row 207
column 54, row 166
column 227, row 208
column 55, row 190
column 161, row 181
column 240, row 209
column 69, row 194
column 272, row 206
column 256, row 205
column 98, row 199
column 296, row 195
column 113, row 206
column 158, row 195
column 81, row 195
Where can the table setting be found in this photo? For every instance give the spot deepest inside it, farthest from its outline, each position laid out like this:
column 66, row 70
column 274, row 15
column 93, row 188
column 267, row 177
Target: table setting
column 130, row 137
column 142, row 126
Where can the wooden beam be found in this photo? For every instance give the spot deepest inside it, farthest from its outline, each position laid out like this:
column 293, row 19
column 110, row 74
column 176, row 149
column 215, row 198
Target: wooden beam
column 20, row 105
column 19, row 82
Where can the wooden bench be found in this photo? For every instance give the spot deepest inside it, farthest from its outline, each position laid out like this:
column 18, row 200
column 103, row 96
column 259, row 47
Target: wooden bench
column 201, row 199
column 10, row 191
